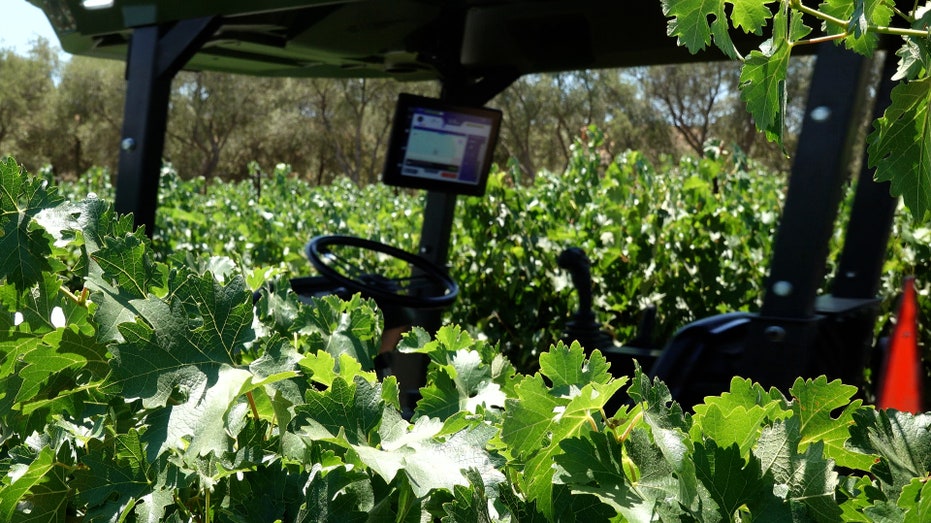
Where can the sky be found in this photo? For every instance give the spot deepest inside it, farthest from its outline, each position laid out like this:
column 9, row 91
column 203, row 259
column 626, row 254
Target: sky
column 21, row 23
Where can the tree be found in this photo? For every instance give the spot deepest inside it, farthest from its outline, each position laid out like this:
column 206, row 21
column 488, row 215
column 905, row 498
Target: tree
column 26, row 82
column 86, row 116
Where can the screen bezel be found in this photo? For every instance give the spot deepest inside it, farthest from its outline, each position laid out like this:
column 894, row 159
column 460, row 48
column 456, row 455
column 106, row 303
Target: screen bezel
column 397, row 146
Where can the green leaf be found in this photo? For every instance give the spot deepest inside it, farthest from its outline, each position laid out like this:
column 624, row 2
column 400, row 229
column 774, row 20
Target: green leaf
column 655, row 482
column 24, row 244
column 593, row 465
column 22, row 481
column 323, row 368
column 567, row 367
column 806, row 481
column 690, row 24
column 470, row 503
column 733, row 483
column 121, row 275
column 815, row 401
column 353, row 410
column 336, row 494
column 763, row 89
column 430, row 457
column 902, row 441
column 669, row 427
column 440, row 398
column 900, row 145
column 464, row 384
column 739, row 415
column 198, row 421
column 916, row 500
column 541, row 416
column 113, row 479
column 179, row 346
column 346, row 327
column 861, row 14
column 751, row 15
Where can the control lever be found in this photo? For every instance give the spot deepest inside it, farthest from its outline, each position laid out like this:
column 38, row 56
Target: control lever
column 582, row 326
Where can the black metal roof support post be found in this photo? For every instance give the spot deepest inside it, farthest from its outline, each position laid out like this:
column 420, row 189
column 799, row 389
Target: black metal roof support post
column 440, row 207
column 864, row 252
column 846, row 338
column 156, row 54
column 782, row 338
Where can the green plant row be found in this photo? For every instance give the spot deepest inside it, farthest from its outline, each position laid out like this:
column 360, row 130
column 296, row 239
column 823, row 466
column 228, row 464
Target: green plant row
column 134, row 389
column 692, row 237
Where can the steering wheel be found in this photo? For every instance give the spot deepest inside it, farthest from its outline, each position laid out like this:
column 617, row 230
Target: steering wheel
column 426, row 286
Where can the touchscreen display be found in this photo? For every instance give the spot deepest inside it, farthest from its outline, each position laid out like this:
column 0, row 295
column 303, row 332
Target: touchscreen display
column 441, row 147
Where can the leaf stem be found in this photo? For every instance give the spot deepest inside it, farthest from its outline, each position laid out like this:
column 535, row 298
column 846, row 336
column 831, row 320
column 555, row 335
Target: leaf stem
column 255, row 410
column 79, row 299
column 630, row 427
column 820, row 39
column 882, row 29
column 799, row 6
column 899, row 31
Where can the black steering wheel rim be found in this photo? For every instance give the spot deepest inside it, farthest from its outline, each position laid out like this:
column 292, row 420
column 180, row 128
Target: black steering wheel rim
column 319, row 247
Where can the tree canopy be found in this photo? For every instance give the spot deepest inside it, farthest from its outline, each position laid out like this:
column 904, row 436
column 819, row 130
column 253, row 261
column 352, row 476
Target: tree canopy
column 67, row 114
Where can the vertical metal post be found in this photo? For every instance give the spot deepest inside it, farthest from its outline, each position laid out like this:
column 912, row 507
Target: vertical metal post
column 782, row 338
column 440, row 208
column 156, row 54
column 867, row 236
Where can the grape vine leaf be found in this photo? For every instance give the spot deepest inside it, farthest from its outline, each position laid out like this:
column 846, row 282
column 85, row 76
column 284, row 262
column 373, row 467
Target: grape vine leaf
column 540, row 416
column 470, row 503
column 860, row 14
column 902, row 441
column 36, row 486
column 346, row 327
column 199, row 423
column 57, row 376
column 913, row 58
column 463, row 384
column 567, row 367
column 751, row 16
column 593, row 465
column 738, row 415
column 336, row 494
column 656, row 482
column 428, row 454
column 121, row 274
column 733, row 482
column 176, row 345
column 353, row 409
column 916, row 501
column 806, row 481
column 689, row 24
column 112, row 479
column 669, row 427
column 899, row 145
column 815, row 401
column 24, row 244
column 440, row 398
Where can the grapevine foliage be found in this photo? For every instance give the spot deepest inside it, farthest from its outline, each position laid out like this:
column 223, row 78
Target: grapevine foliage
column 198, row 406
column 899, row 143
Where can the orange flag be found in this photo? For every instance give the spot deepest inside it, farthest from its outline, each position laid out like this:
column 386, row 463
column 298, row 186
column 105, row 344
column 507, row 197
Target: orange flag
column 900, row 383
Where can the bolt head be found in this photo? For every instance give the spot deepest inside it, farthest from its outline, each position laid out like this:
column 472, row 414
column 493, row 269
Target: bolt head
column 775, row 333
column 821, row 113
column 128, row 144
column 782, row 288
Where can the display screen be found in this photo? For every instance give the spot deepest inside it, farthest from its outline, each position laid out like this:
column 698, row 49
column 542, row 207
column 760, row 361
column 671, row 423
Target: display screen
column 441, row 147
